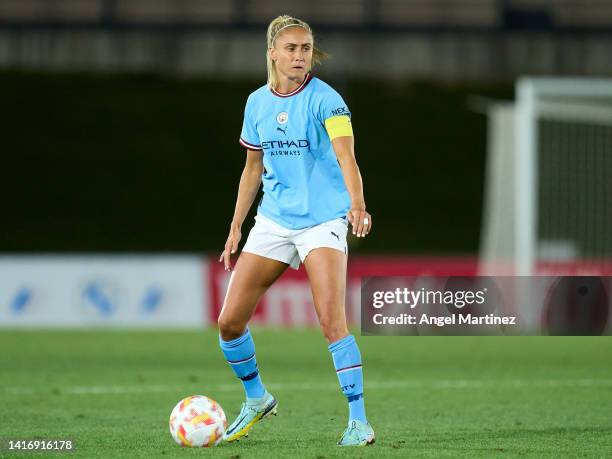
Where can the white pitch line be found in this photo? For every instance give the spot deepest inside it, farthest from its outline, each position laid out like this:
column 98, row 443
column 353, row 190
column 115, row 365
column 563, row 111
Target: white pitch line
column 444, row 384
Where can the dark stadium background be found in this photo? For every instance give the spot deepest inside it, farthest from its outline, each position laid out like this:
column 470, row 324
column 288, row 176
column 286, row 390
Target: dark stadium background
column 115, row 137
column 138, row 162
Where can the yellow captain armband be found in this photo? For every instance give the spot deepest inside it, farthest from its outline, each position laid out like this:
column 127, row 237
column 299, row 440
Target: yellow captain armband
column 339, row 126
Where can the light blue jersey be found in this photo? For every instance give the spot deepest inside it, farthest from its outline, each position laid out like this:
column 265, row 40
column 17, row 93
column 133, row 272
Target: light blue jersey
column 303, row 184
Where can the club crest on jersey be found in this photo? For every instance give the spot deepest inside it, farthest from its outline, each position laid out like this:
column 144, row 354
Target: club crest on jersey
column 282, row 117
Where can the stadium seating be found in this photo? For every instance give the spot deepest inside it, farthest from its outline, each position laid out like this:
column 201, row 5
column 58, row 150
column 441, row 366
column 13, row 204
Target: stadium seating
column 389, row 13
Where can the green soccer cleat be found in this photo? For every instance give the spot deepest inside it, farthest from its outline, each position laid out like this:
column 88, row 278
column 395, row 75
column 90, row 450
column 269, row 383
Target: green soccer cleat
column 357, row 434
column 250, row 413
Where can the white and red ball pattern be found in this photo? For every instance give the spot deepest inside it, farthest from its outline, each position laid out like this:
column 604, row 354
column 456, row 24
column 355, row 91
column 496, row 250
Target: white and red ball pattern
column 197, row 421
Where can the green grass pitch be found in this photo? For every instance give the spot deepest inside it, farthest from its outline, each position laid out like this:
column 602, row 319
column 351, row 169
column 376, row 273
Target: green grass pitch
column 111, row 392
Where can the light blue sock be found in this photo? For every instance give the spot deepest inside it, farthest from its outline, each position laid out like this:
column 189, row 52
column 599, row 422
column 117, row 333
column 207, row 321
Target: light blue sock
column 240, row 354
column 347, row 360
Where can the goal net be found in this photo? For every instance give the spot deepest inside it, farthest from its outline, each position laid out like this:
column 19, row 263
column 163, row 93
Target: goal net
column 548, row 188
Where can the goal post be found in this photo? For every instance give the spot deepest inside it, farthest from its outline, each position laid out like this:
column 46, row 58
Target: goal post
column 548, row 189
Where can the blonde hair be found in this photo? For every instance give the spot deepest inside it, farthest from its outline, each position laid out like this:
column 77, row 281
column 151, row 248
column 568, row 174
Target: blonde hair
column 277, row 25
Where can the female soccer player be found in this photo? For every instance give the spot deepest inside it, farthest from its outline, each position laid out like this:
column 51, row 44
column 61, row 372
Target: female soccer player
column 299, row 142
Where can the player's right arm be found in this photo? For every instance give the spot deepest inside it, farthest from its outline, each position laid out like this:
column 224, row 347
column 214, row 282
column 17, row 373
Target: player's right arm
column 250, row 181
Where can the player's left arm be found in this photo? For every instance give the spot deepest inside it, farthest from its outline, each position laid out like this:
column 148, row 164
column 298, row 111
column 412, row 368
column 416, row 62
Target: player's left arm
column 342, row 139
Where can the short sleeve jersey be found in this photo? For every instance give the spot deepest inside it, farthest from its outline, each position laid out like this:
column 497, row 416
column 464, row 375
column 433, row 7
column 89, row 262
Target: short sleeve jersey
column 303, row 184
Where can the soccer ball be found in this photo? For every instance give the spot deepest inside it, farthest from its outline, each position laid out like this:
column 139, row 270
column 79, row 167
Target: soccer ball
column 197, row 421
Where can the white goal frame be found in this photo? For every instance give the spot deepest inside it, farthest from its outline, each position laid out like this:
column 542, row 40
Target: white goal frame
column 529, row 108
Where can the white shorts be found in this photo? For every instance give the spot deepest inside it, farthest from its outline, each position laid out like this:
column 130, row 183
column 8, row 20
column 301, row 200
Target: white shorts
column 271, row 240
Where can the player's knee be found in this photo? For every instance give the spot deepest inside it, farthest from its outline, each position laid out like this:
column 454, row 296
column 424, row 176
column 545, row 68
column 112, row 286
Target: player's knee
column 230, row 329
